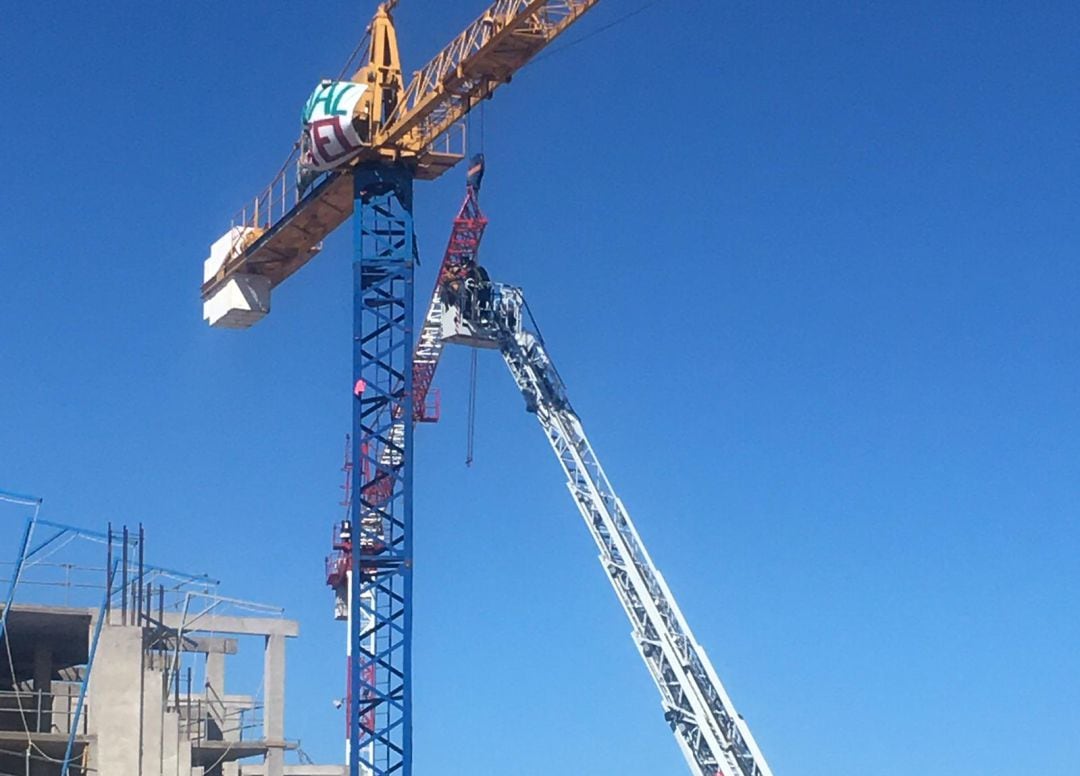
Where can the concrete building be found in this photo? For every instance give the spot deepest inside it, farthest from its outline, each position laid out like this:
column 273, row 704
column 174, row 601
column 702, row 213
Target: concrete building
column 156, row 703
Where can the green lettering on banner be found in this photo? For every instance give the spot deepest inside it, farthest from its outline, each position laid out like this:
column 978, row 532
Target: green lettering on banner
column 336, row 107
column 329, row 97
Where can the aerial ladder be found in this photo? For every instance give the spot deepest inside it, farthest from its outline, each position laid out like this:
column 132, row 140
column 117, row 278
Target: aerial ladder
column 713, row 737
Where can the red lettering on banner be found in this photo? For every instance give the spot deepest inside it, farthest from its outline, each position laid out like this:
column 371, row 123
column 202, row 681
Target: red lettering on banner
column 333, row 146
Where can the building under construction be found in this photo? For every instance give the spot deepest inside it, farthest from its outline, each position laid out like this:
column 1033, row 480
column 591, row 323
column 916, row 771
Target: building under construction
column 138, row 683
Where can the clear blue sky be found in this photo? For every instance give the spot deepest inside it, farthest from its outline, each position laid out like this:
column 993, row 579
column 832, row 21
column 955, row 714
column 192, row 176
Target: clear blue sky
column 809, row 270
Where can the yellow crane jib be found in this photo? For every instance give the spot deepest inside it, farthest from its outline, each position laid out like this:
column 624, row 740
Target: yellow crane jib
column 371, row 117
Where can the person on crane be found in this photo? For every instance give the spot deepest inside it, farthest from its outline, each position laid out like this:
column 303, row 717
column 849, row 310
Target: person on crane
column 344, row 536
column 475, row 176
column 468, row 289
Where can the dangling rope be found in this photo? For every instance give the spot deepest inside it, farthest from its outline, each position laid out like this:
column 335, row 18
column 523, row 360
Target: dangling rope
column 470, row 431
column 471, row 422
column 482, row 125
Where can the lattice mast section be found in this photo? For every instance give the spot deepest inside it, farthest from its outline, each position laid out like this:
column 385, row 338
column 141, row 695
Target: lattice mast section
column 380, row 718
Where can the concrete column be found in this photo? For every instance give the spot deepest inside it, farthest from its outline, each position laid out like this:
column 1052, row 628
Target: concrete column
column 176, row 749
column 64, row 699
column 43, row 669
column 215, row 688
column 274, row 704
column 153, row 755
column 215, row 673
column 116, row 693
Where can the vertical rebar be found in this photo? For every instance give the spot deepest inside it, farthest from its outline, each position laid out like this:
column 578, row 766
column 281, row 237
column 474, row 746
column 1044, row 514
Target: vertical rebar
column 189, row 701
column 73, row 725
column 124, row 578
column 108, row 565
column 139, row 582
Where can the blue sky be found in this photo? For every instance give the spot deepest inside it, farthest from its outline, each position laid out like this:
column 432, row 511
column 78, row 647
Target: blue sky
column 809, row 271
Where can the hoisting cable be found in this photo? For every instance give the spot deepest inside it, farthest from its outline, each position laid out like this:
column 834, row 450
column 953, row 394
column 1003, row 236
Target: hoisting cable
column 349, row 63
column 571, row 43
column 470, row 423
column 470, row 432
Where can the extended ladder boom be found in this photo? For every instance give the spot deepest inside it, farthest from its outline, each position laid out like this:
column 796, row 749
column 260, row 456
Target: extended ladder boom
column 714, row 738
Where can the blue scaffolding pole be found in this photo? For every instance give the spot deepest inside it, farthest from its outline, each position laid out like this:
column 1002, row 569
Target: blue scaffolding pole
column 20, row 559
column 24, row 551
column 380, row 697
column 70, row 749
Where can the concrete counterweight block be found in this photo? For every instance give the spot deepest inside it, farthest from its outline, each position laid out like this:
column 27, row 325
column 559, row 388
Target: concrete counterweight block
column 241, row 303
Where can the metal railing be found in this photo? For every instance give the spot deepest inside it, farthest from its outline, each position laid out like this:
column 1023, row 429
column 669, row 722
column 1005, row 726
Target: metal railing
column 37, row 711
column 293, row 183
column 219, row 719
column 80, row 584
column 274, row 201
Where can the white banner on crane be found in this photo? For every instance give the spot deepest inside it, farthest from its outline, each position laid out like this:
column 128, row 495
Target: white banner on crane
column 330, row 138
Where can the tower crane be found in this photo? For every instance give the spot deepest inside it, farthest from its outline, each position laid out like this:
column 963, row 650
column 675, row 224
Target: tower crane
column 363, row 143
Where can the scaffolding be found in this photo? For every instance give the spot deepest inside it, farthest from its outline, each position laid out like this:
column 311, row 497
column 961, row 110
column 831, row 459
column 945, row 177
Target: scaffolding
column 110, row 664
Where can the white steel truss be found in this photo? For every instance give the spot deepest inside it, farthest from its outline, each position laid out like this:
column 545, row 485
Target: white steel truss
column 713, row 737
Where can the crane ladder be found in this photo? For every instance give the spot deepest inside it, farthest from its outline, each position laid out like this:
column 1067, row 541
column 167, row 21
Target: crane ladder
column 713, row 737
